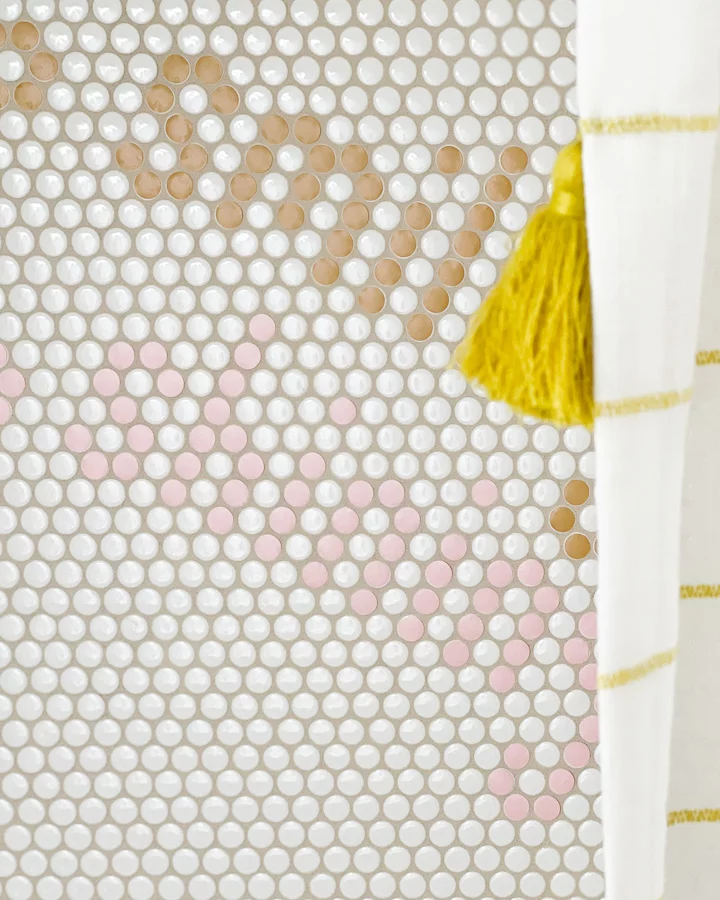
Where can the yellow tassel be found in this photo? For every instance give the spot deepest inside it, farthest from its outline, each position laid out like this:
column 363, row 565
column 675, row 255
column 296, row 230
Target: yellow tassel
column 530, row 343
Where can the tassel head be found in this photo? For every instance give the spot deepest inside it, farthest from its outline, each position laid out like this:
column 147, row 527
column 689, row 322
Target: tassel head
column 568, row 197
column 530, row 343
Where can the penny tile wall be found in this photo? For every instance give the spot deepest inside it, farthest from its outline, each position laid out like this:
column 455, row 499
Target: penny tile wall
column 287, row 610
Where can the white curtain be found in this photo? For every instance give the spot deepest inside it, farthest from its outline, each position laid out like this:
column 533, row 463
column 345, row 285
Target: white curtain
column 693, row 850
column 648, row 96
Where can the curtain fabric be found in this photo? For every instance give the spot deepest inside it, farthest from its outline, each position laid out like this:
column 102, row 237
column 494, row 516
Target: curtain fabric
column 648, row 98
column 694, row 795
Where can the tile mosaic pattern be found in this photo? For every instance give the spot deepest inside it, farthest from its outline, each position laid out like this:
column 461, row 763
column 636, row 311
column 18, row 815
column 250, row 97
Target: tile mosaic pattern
column 288, row 611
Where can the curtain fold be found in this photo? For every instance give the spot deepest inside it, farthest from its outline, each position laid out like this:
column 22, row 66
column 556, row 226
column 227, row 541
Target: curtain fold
column 694, row 796
column 648, row 97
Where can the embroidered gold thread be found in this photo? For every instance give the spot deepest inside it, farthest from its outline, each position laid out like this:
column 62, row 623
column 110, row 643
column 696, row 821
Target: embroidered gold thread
column 707, row 358
column 658, row 122
column 631, row 405
column 684, row 816
column 699, row 591
column 635, row 673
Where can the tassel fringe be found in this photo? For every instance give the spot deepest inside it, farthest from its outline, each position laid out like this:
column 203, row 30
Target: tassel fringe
column 530, row 343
